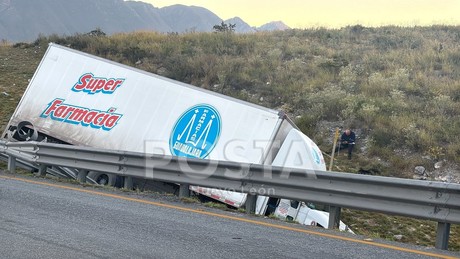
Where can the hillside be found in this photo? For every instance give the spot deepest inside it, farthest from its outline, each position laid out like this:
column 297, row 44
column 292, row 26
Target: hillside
column 398, row 88
column 25, row 20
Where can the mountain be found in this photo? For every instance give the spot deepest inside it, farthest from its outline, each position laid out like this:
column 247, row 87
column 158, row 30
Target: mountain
column 183, row 18
column 273, row 26
column 241, row 26
column 25, row 20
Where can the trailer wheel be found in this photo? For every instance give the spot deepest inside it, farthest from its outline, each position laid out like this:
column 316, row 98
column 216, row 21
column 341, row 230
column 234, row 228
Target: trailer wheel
column 103, row 178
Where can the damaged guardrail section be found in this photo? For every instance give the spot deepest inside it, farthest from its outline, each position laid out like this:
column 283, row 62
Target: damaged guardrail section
column 436, row 201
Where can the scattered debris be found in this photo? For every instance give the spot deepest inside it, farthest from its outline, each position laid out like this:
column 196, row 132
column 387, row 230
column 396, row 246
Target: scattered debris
column 420, row 173
column 420, row 170
column 398, row 237
column 438, row 165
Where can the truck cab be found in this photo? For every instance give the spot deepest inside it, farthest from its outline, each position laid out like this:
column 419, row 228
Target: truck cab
column 297, row 151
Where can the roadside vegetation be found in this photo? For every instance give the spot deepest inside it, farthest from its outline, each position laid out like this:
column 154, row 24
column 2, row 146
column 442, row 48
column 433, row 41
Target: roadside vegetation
column 398, row 88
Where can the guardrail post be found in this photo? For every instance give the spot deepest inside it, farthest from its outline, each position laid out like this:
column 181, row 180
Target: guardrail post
column 128, row 182
column 184, row 190
column 334, row 217
column 250, row 205
column 42, row 170
column 442, row 235
column 81, row 177
column 12, row 164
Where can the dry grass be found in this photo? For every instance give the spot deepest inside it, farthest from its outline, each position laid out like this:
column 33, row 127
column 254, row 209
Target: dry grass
column 17, row 66
column 394, row 84
column 414, row 231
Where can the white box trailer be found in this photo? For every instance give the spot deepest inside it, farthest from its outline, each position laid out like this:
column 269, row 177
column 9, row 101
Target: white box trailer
column 84, row 100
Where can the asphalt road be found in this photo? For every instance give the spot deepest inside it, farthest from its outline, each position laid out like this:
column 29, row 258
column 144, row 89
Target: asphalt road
column 48, row 221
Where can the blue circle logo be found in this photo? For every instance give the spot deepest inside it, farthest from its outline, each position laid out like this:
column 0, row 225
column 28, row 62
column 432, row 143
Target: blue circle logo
column 196, row 132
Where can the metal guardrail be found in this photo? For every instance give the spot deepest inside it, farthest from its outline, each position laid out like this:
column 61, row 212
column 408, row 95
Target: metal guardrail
column 436, row 201
column 29, row 165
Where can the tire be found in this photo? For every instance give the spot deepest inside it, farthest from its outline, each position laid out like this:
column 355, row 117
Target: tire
column 103, row 178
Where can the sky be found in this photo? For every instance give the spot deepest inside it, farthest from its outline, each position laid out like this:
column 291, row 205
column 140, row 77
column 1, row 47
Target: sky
column 331, row 13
